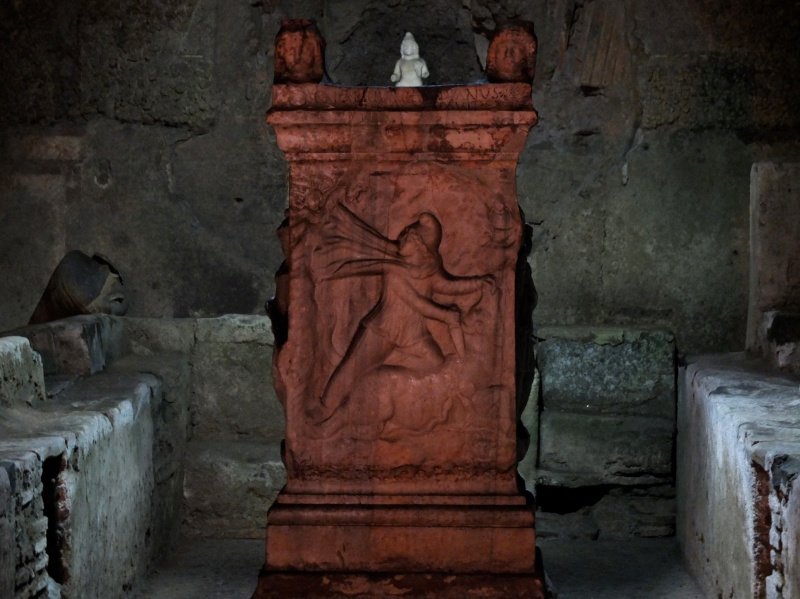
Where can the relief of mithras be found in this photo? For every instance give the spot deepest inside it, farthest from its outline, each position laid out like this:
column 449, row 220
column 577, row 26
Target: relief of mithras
column 417, row 297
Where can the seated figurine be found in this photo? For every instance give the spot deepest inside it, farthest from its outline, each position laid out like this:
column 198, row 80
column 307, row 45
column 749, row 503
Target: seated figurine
column 410, row 69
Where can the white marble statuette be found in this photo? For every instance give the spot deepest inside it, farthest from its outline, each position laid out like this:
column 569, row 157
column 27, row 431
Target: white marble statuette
column 410, row 69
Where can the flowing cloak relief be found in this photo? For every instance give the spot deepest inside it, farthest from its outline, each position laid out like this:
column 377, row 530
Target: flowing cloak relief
column 411, row 319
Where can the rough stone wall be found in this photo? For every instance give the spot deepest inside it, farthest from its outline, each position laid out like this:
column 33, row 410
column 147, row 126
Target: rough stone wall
column 136, row 130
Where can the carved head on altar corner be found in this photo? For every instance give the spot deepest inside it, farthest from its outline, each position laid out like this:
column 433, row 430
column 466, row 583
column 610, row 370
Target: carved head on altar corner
column 511, row 57
column 299, row 52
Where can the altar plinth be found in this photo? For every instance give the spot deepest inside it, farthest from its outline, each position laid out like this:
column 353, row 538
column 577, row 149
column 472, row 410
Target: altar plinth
column 395, row 355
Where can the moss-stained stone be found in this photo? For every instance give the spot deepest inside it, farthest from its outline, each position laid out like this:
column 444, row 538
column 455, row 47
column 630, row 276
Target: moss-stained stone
column 606, row 370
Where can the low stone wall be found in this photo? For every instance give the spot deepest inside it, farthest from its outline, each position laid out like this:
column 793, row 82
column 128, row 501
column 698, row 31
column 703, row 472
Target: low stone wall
column 738, row 486
column 233, row 469
column 77, row 483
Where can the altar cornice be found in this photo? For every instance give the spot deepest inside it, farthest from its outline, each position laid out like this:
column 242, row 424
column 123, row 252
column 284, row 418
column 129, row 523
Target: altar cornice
column 318, row 96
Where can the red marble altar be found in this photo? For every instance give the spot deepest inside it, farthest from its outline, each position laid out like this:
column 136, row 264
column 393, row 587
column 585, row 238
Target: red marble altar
column 395, row 342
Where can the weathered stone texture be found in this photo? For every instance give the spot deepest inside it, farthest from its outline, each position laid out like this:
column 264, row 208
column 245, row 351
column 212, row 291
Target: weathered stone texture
column 605, row 431
column 590, row 449
column 96, row 471
column 607, row 371
column 230, row 484
column 149, row 62
column 639, row 512
column 219, row 372
column 629, row 231
column 80, row 345
column 113, row 452
column 28, row 549
column 99, row 432
column 232, row 381
column 170, row 414
column 737, row 469
column 608, row 404
column 773, row 329
column 7, row 537
column 21, row 378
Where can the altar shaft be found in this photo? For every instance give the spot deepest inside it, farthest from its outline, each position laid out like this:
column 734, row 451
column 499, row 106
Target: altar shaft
column 395, row 355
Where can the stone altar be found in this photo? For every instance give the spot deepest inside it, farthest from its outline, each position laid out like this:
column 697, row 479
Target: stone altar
column 395, row 355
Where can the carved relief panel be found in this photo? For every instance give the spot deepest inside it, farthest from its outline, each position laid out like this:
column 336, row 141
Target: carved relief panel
column 398, row 372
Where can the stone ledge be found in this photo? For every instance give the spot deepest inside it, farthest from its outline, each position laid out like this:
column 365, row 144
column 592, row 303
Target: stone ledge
column 738, row 467
column 93, row 442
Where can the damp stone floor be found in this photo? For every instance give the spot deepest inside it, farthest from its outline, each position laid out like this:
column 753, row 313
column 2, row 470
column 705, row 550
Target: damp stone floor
column 579, row 569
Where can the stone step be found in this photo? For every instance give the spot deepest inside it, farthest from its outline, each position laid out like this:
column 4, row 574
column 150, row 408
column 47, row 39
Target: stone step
column 607, row 402
column 229, row 486
column 607, row 370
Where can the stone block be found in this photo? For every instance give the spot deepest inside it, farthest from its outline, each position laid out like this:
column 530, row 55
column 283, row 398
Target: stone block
column 774, row 246
column 573, row 525
column 591, row 449
column 606, row 511
column 148, row 336
column 21, row 376
column 229, row 487
column 80, row 345
column 607, row 371
column 232, row 390
column 108, row 534
column 637, row 512
column 235, row 328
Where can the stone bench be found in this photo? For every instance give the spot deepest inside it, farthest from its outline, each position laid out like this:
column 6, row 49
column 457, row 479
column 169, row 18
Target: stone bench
column 738, row 486
column 157, row 424
column 76, row 480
